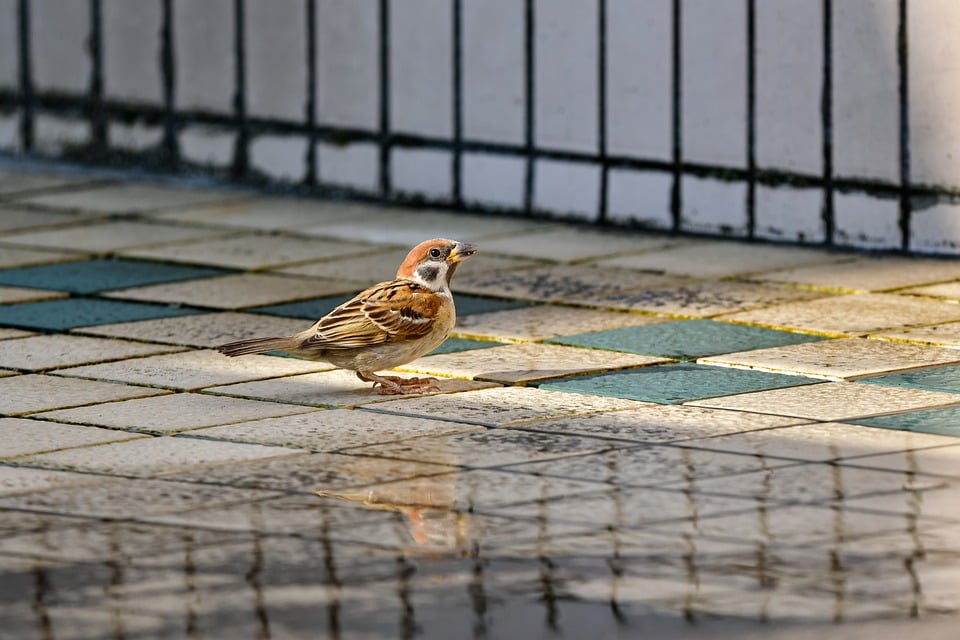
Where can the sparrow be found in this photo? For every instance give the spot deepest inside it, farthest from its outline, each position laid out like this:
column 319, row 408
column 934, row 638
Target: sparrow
column 385, row 326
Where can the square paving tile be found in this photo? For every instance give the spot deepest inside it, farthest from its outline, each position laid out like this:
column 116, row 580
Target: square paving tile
column 7, row 334
column 839, row 359
column 662, row 423
column 235, row 291
column 515, row 363
column 13, row 218
column 109, row 236
column 941, row 335
column 317, row 308
column 254, row 251
column 9, row 295
column 202, row 329
column 571, row 244
column 19, row 257
column 945, row 420
column 338, row 388
column 152, row 456
column 675, row 383
column 532, row 324
column 686, row 339
column 852, row 315
column 128, row 198
column 45, row 352
column 456, row 345
column 16, row 480
column 832, row 401
column 721, row 259
column 19, row 436
column 502, row 406
column 170, row 413
column 939, row 461
column 946, row 378
column 194, row 369
column 468, row 305
column 90, row 276
column 83, row 312
column 333, row 429
column 558, row 283
column 255, row 211
column 820, row 442
column 947, row 290
column 693, row 300
column 13, row 182
column 870, row 274
column 31, row 393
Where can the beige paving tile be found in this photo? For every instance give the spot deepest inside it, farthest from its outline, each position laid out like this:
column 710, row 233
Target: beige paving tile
column 920, row 496
column 49, row 351
column 571, row 244
column 515, row 363
column 201, row 330
column 338, row 388
column 266, row 213
column 942, row 461
column 16, row 181
column 252, row 251
column 948, row 290
column 870, row 274
column 944, row 335
column 504, row 406
column 532, row 324
column 19, row 436
column 194, row 369
column 17, row 480
column 721, row 259
column 7, row 334
column 154, row 456
column 852, row 314
column 696, row 300
column 31, row 393
column 9, row 295
column 11, row 257
column 13, row 218
column 838, row 359
column 129, row 198
column 238, row 291
column 663, row 423
column 109, row 236
column 558, row 283
column 821, row 442
column 832, row 401
column 333, row 429
column 169, row 413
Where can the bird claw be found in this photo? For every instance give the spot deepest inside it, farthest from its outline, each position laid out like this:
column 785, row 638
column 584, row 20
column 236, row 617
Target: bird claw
column 400, row 389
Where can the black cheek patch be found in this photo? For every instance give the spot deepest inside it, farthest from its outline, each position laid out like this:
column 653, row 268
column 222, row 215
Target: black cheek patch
column 428, row 273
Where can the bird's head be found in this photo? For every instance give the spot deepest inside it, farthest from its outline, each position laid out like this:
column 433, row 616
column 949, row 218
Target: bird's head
column 432, row 263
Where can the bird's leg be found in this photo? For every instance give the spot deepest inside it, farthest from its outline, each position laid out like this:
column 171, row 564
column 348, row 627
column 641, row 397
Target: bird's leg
column 393, row 385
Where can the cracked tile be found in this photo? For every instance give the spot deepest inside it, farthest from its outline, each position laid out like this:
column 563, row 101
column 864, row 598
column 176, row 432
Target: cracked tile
column 36, row 392
column 19, row 436
column 50, row 351
column 531, row 324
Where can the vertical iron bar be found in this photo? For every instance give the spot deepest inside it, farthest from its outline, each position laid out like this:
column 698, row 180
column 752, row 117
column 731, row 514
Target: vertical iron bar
column 240, row 154
column 26, row 76
column 906, row 209
column 751, row 119
column 385, row 140
column 171, row 149
column 457, row 103
column 528, row 123
column 602, row 109
column 677, row 193
column 310, row 107
column 826, row 114
column 98, row 120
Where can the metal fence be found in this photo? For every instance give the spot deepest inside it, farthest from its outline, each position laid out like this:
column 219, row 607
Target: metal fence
column 91, row 103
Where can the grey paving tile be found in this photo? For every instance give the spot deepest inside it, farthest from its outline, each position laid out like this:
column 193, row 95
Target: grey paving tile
column 943, row 378
column 332, row 429
column 851, row 315
column 202, row 329
column 15, row 182
column 502, row 406
column 941, row 461
column 11, row 257
column 91, row 276
column 831, row 401
column 50, row 351
column 838, row 359
column 338, row 388
column 571, row 244
column 13, row 218
column 513, row 363
column 19, row 436
column 237, row 291
column 109, row 236
column 921, row 497
column 18, row 480
column 10, row 295
column 531, row 324
column 70, row 313
column 128, row 198
column 663, row 423
column 170, row 413
column 194, row 369
column 255, row 211
column 254, row 251
column 722, row 259
column 870, row 274
column 32, row 393
column 161, row 455
column 944, row 420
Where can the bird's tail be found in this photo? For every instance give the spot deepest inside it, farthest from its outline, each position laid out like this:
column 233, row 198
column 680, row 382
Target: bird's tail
column 258, row 345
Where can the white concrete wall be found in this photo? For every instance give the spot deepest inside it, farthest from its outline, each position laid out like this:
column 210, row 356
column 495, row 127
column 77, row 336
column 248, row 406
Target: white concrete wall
column 713, row 112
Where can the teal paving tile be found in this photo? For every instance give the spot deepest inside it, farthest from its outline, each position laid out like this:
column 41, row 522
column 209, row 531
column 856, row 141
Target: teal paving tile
column 686, row 339
column 453, row 345
column 946, row 378
column 944, row 421
column 676, row 383
column 68, row 313
column 90, row 276
column 318, row 307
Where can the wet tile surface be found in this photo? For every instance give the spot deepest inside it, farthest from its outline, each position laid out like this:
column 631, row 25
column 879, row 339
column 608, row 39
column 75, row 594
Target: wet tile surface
column 52, row 351
column 83, row 312
column 91, row 276
column 945, row 378
column 685, row 340
column 945, row 420
column 675, row 383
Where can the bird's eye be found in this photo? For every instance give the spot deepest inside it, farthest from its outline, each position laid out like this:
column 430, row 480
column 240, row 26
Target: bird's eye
column 434, row 253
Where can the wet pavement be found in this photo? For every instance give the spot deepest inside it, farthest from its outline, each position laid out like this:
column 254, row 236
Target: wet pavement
column 634, row 435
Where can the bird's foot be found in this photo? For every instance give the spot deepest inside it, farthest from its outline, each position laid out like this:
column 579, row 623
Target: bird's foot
column 409, row 382
column 395, row 385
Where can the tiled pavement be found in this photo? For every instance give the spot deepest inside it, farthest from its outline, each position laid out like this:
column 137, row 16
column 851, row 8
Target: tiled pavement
column 628, row 428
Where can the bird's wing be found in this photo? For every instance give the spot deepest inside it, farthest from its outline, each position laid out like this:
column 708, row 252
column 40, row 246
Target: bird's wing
column 388, row 312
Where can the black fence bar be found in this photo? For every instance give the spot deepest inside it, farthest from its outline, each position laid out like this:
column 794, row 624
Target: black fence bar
column 751, row 119
column 384, row 87
column 529, row 68
column 241, row 158
column 826, row 117
column 310, row 107
column 98, row 120
column 171, row 148
column 676, row 194
column 26, row 76
column 457, row 107
column 906, row 206
column 602, row 110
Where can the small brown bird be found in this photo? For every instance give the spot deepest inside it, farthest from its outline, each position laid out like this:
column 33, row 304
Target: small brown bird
column 385, row 326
